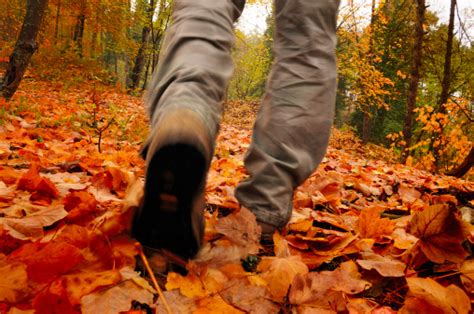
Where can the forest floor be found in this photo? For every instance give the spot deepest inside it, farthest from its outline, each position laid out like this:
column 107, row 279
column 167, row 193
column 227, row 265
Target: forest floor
column 367, row 235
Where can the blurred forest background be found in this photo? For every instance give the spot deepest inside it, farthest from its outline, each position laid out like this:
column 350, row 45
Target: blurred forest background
column 406, row 79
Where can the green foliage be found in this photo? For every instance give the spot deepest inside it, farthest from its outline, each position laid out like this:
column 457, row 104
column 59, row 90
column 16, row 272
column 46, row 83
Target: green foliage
column 252, row 58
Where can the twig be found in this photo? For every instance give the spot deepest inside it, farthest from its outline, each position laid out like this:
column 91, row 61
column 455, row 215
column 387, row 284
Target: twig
column 153, row 279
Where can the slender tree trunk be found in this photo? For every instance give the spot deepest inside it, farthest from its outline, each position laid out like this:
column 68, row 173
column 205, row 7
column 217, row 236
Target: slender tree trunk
column 96, row 31
column 79, row 29
column 56, row 25
column 366, row 124
column 446, row 83
column 366, row 128
column 140, row 58
column 465, row 166
column 147, row 70
column 414, row 78
column 25, row 46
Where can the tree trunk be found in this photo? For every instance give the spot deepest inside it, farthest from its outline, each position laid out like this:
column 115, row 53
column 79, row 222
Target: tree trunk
column 140, row 58
column 367, row 117
column 78, row 34
column 25, row 46
column 366, row 128
column 147, row 70
column 56, row 25
column 446, row 83
column 464, row 167
column 414, row 78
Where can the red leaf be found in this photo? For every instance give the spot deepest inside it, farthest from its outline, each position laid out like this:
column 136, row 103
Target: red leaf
column 31, row 181
column 47, row 261
column 54, row 299
column 80, row 205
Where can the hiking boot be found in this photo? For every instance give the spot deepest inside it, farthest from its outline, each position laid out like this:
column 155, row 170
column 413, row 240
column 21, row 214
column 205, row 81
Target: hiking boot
column 177, row 157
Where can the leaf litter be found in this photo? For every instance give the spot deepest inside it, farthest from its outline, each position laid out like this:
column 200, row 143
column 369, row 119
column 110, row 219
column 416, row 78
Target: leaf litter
column 366, row 236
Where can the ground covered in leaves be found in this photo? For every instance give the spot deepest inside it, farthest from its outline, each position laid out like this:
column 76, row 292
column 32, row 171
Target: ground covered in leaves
column 366, row 235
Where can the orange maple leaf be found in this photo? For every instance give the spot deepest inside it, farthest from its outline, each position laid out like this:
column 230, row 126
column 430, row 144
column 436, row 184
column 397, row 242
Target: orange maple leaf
column 370, row 225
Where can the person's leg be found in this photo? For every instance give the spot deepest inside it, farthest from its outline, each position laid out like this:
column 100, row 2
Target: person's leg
column 195, row 63
column 184, row 105
column 293, row 124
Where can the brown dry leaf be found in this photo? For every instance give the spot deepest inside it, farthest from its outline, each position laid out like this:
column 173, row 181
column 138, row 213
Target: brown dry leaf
column 440, row 234
column 467, row 274
column 240, row 227
column 14, row 281
column 222, row 252
column 179, row 303
column 408, row 194
column 414, row 305
column 314, row 286
column 128, row 273
column 370, row 225
column 402, row 239
column 363, row 305
column 449, row 300
column 305, row 290
column 385, row 266
column 280, row 246
column 81, row 284
column 31, row 226
column 250, row 298
column 280, row 272
column 116, row 299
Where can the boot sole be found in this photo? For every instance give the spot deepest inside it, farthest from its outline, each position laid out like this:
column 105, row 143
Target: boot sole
column 174, row 184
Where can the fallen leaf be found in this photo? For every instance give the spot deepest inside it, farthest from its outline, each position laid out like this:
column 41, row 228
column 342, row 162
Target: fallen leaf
column 14, row 281
column 240, row 227
column 315, row 287
column 467, row 274
column 31, row 181
column 385, row 266
column 215, row 304
column 180, row 304
column 250, row 298
column 190, row 286
column 440, row 234
column 47, row 261
column 370, row 225
column 116, row 299
column 54, row 300
column 80, row 284
column 280, row 272
column 408, row 194
column 80, row 205
column 451, row 299
column 31, row 226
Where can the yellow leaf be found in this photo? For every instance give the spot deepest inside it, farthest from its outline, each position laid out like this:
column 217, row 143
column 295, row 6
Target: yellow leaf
column 190, row 286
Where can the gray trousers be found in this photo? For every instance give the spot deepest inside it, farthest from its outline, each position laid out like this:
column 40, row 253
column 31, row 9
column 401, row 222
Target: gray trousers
column 293, row 124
